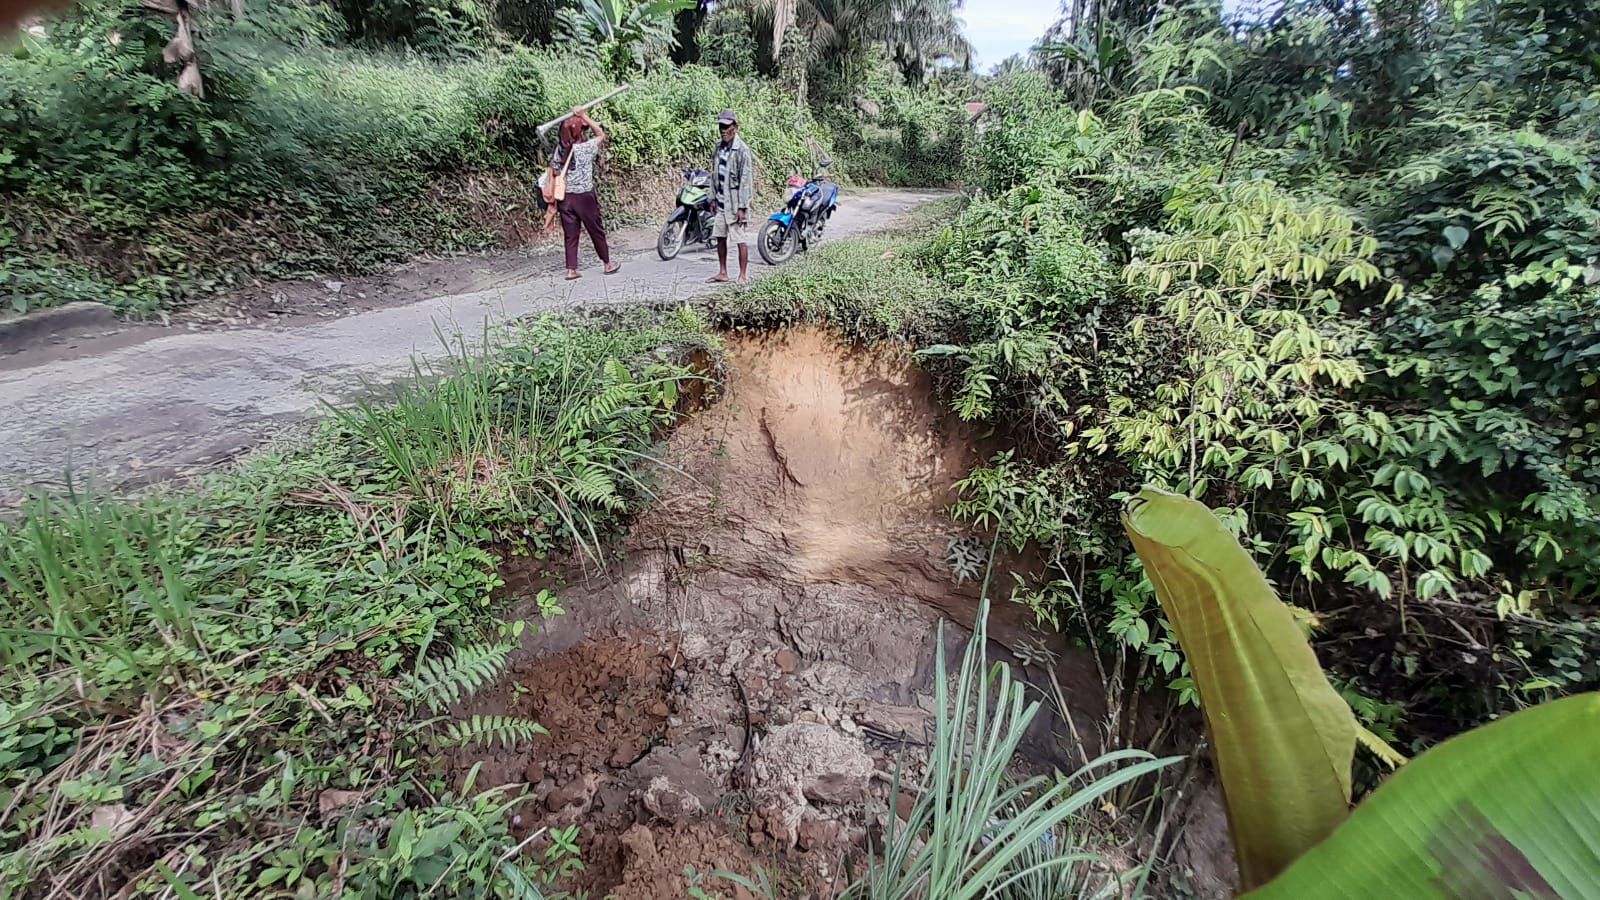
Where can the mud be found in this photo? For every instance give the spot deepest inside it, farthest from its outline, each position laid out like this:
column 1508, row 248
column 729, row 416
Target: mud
column 734, row 692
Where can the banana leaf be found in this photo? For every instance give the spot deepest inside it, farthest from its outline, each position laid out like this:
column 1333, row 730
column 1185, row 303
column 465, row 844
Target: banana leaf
column 1508, row 810
column 1282, row 738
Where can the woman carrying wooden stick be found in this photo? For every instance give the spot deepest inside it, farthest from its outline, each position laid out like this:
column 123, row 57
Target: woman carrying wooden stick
column 574, row 162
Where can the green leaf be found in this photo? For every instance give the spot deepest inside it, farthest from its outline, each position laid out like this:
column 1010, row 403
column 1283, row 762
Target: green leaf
column 1511, row 809
column 179, row 889
column 1456, row 236
column 437, row 838
column 1282, row 737
column 1380, row 748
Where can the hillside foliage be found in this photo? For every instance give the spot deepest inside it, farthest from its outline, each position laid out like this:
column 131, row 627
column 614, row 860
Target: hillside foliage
column 1355, row 311
column 342, row 138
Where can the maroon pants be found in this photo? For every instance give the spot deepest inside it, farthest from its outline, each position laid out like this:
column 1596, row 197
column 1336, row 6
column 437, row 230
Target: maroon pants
column 584, row 208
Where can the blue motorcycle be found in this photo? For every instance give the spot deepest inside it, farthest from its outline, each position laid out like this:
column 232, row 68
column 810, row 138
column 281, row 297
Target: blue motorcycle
column 798, row 226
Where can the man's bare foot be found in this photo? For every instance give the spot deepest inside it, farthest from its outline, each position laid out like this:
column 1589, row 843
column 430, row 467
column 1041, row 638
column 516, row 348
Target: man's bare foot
column 744, row 279
column 572, row 274
column 717, row 278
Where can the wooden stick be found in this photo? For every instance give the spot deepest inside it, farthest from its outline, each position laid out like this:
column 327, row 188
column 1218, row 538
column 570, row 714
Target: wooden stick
column 587, row 106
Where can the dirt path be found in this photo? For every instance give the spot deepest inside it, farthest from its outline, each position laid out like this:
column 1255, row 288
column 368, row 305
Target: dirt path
column 150, row 403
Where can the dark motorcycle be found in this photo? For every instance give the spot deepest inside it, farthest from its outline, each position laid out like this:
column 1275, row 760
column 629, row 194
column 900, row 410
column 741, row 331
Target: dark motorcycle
column 690, row 222
column 798, row 226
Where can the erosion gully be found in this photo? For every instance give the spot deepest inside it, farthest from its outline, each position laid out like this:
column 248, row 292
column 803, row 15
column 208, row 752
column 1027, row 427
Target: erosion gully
column 736, row 691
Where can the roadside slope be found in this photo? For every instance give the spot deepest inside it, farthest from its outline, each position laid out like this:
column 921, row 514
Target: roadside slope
column 159, row 407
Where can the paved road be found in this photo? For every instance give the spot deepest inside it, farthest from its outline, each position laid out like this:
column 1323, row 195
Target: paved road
column 167, row 404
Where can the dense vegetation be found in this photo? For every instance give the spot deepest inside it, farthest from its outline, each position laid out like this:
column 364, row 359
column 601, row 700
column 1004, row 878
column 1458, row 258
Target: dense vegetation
column 1334, row 274
column 340, row 139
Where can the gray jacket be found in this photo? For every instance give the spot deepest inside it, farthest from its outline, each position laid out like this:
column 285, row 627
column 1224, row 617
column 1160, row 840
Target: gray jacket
column 739, row 189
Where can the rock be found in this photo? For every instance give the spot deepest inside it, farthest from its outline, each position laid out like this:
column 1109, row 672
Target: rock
column 659, row 709
column 640, row 844
column 603, row 724
column 904, row 803
column 786, row 661
column 534, row 773
column 836, row 787
column 331, row 801
column 824, row 764
column 573, row 799
column 805, row 761
column 895, row 721
column 678, row 789
column 695, row 646
column 671, row 802
column 625, row 754
column 819, row 834
column 113, row 817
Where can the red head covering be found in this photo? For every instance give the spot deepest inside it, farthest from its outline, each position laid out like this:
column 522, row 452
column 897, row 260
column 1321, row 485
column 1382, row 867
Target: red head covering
column 571, row 132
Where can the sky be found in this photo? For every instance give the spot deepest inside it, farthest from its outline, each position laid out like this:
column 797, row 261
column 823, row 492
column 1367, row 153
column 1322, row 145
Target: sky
column 1000, row 28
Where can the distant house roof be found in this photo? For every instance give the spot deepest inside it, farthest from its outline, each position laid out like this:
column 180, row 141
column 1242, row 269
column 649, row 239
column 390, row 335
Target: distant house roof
column 974, row 110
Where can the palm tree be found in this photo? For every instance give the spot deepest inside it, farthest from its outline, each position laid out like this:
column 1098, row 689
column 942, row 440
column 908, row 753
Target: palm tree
column 625, row 34
column 833, row 33
column 925, row 33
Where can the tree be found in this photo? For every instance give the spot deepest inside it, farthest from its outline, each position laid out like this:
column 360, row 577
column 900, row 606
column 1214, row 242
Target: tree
column 625, row 34
column 832, row 35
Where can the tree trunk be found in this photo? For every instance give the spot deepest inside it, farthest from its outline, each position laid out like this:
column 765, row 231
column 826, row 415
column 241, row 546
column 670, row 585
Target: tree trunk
column 782, row 18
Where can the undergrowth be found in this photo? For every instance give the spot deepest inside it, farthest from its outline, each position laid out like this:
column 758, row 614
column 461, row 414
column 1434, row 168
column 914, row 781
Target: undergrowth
column 306, row 156
column 238, row 689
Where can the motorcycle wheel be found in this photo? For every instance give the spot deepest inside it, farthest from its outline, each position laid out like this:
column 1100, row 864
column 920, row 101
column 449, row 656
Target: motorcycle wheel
column 777, row 243
column 671, row 240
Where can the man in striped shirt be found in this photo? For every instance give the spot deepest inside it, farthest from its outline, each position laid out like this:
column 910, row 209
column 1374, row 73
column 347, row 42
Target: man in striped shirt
column 734, row 171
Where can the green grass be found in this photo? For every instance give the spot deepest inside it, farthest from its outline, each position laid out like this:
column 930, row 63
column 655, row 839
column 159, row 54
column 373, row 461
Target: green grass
column 976, row 830
column 186, row 676
column 864, row 287
column 528, row 433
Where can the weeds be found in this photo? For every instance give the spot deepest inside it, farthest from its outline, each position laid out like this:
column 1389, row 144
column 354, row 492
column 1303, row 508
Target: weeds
column 975, row 830
column 237, row 689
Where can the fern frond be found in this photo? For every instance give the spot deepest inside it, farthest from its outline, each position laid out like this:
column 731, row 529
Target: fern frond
column 439, row 683
column 592, row 485
column 1501, row 207
column 485, row 731
column 603, row 406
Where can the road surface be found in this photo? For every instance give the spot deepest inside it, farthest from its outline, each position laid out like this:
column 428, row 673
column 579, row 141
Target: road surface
column 160, row 402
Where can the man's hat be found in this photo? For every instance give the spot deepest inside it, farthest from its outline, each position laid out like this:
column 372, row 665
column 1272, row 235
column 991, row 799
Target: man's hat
column 728, row 117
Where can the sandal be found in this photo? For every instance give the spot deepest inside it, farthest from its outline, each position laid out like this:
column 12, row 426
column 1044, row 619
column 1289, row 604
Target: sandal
column 574, row 276
column 615, row 268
